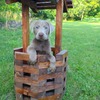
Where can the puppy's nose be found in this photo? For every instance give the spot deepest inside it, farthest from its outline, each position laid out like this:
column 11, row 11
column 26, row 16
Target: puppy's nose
column 41, row 35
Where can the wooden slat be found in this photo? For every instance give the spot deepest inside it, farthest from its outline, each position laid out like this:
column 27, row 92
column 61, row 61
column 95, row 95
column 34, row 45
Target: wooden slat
column 59, row 91
column 61, row 55
column 54, row 97
column 54, row 1
column 69, row 1
column 46, row 88
column 43, row 0
column 25, row 56
column 44, row 3
column 30, row 4
column 11, row 1
column 25, row 80
column 25, row 26
column 41, row 79
column 26, row 92
column 26, row 68
column 31, row 91
column 58, row 36
column 63, row 52
column 60, row 63
column 20, row 49
column 50, row 76
column 47, row 7
column 35, row 72
column 68, row 4
column 41, row 59
column 36, row 90
column 43, row 65
column 21, row 56
column 50, row 87
column 51, row 1
column 65, row 7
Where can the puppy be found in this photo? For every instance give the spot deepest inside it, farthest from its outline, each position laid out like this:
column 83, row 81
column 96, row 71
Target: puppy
column 41, row 30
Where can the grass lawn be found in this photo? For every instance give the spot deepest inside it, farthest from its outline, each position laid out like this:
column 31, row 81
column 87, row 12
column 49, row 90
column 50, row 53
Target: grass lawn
column 81, row 39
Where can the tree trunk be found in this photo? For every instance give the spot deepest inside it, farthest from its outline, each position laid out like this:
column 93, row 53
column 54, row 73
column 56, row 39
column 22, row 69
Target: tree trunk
column 6, row 24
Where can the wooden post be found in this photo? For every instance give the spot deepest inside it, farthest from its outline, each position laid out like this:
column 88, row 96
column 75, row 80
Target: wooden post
column 58, row 36
column 25, row 26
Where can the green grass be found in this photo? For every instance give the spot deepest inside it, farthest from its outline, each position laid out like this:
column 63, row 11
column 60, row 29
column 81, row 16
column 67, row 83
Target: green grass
column 81, row 39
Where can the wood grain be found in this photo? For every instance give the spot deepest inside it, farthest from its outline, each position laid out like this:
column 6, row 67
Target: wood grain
column 11, row 1
column 21, row 56
column 25, row 26
column 26, row 92
column 62, row 55
column 54, row 97
column 26, row 68
column 58, row 35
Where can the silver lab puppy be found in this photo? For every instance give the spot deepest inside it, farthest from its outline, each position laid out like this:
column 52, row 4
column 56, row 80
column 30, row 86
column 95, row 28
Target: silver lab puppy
column 41, row 29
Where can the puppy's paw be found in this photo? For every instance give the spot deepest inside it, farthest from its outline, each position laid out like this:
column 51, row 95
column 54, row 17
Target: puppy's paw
column 52, row 68
column 32, row 60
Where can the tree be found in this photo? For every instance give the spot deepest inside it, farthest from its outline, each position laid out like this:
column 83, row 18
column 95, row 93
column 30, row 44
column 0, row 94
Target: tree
column 81, row 10
column 9, row 12
column 84, row 8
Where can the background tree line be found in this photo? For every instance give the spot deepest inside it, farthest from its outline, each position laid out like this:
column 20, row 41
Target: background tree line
column 82, row 9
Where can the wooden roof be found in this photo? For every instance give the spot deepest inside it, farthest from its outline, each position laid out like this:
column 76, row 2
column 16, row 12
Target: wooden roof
column 36, row 5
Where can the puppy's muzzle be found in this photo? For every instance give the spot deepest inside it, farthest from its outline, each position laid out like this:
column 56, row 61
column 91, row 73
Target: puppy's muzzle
column 41, row 35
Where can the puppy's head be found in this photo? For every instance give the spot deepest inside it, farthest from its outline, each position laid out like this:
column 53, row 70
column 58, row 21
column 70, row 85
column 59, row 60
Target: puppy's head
column 41, row 29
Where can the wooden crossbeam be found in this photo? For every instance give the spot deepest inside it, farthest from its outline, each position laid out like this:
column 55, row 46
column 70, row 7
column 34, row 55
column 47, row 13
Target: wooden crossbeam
column 42, row 4
column 30, row 3
column 68, row 4
column 11, row 1
column 52, row 1
column 46, row 7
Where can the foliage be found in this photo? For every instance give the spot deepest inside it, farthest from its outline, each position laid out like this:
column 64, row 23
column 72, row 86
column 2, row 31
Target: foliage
column 82, row 9
column 82, row 42
column 9, row 12
column 91, row 19
column 46, row 14
column 3, row 20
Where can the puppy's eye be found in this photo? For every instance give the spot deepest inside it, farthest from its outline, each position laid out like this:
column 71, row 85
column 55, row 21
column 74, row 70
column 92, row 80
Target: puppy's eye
column 37, row 27
column 45, row 27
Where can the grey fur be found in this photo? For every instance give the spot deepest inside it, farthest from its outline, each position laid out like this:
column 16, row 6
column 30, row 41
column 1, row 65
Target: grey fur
column 41, row 43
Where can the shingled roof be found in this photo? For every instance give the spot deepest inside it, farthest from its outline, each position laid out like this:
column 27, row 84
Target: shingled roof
column 36, row 5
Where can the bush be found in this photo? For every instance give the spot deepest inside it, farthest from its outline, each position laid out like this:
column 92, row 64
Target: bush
column 3, row 20
column 44, row 14
column 91, row 19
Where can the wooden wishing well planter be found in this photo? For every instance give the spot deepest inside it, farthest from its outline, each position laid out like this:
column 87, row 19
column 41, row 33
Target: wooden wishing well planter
column 32, row 82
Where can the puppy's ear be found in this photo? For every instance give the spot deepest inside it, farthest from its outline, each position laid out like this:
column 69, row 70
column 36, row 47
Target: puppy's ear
column 32, row 25
column 52, row 28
